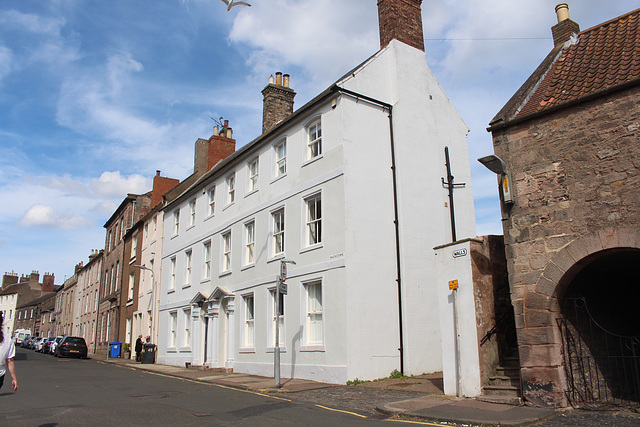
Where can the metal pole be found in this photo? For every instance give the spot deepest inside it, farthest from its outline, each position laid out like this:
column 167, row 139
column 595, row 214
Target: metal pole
column 276, row 352
column 457, row 327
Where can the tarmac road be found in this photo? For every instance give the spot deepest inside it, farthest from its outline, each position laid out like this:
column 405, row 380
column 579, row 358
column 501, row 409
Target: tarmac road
column 73, row 392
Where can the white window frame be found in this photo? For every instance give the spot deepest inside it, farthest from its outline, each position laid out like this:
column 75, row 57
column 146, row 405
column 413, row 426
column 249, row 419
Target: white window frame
column 314, row 315
column 231, row 188
column 206, row 253
column 225, row 260
column 311, row 222
column 172, row 272
column 278, row 224
column 249, row 339
column 188, row 260
column 314, row 146
column 249, row 243
column 173, row 329
column 192, row 212
column 272, row 322
column 187, row 328
column 253, row 173
column 176, row 222
column 132, row 279
column 280, row 158
column 211, row 199
column 134, row 246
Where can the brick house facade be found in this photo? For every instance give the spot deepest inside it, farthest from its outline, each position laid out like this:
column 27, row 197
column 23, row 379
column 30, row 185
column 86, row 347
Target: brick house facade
column 570, row 139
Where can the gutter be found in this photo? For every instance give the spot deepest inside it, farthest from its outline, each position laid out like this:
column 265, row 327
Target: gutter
column 396, row 221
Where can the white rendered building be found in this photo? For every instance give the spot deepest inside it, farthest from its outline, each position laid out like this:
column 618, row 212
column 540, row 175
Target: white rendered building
column 349, row 187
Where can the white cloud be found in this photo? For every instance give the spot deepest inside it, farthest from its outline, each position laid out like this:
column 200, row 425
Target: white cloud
column 31, row 23
column 44, row 216
column 324, row 37
column 6, row 61
column 113, row 184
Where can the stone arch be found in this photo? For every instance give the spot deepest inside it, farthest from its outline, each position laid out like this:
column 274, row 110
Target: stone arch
column 566, row 263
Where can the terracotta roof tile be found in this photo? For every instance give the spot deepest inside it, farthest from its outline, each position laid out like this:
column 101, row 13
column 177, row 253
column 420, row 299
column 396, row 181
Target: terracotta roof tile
column 604, row 56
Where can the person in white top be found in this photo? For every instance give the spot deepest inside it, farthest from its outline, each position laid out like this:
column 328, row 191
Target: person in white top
column 7, row 353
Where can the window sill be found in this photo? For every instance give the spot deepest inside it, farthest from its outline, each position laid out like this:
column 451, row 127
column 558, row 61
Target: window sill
column 246, row 350
column 129, row 302
column 206, row 280
column 185, row 349
column 283, row 349
column 210, row 216
column 248, row 266
column 190, row 227
column 225, row 273
column 277, row 257
column 312, row 247
column 278, row 178
column 172, row 350
column 187, row 286
column 312, row 348
column 174, row 236
column 250, row 193
column 309, row 161
column 228, row 205
column 170, row 291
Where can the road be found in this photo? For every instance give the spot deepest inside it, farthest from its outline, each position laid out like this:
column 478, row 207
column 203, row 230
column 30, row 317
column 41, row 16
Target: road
column 69, row 392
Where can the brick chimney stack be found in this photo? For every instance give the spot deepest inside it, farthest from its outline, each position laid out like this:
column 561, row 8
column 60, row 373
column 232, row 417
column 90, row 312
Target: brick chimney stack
column 9, row 279
column 161, row 185
column 218, row 147
column 401, row 20
column 278, row 101
column 47, row 283
column 565, row 27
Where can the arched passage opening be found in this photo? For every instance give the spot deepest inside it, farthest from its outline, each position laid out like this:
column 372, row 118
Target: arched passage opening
column 601, row 329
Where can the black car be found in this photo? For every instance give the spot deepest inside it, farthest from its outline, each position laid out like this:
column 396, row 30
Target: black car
column 72, row 346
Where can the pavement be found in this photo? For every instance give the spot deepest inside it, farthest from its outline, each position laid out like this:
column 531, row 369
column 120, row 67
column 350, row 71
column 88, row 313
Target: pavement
column 422, row 396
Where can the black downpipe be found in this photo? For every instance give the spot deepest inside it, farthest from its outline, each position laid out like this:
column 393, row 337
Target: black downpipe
column 396, row 221
column 450, row 185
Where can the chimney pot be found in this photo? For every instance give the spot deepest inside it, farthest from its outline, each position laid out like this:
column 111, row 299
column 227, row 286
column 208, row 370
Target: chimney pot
column 271, row 79
column 157, row 173
column 279, row 78
column 226, row 124
column 285, row 81
column 562, row 11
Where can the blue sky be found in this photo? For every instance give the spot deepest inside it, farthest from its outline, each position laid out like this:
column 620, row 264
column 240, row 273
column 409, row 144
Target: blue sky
column 96, row 96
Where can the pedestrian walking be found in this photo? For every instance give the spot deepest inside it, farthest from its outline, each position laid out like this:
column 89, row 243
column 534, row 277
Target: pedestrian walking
column 7, row 353
column 139, row 348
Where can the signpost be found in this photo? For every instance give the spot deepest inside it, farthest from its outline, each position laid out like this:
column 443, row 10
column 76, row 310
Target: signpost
column 281, row 288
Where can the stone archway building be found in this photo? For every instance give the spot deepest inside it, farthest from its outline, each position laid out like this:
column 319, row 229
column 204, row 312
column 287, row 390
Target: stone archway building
column 570, row 140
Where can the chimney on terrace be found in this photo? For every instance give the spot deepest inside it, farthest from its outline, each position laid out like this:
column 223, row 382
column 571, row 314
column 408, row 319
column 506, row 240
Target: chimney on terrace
column 401, row 20
column 565, row 27
column 278, row 101
column 219, row 146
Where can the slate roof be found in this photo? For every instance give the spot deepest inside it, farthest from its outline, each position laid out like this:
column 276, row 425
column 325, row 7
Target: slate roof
column 598, row 60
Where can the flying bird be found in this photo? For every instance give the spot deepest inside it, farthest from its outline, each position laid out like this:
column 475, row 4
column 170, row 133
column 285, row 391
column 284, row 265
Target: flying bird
column 232, row 3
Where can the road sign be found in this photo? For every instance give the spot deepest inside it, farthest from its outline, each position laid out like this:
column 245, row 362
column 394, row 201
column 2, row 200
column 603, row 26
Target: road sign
column 453, row 284
column 283, row 288
column 283, row 271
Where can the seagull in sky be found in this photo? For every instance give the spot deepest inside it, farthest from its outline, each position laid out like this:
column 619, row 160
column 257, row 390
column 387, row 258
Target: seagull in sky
column 231, row 3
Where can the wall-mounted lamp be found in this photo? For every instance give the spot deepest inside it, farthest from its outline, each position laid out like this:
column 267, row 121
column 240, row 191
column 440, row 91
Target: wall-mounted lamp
column 497, row 166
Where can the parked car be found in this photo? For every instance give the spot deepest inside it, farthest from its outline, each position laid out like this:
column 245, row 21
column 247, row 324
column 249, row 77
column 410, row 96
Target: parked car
column 46, row 344
column 37, row 346
column 25, row 341
column 72, row 346
column 31, row 343
column 54, row 344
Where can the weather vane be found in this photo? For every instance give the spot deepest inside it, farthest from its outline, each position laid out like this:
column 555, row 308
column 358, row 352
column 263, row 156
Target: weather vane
column 232, row 3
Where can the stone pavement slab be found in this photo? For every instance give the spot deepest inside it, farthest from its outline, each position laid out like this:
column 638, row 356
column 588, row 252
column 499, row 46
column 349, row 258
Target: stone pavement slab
column 468, row 411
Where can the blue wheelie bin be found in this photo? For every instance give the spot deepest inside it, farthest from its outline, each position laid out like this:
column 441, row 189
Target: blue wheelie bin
column 114, row 349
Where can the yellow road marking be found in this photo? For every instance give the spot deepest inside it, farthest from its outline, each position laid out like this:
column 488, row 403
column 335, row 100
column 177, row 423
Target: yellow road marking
column 339, row 410
column 201, row 382
column 424, row 423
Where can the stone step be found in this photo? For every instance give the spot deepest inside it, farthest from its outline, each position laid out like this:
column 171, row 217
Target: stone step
column 509, row 371
column 505, row 400
column 505, row 380
column 512, row 361
column 501, row 390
